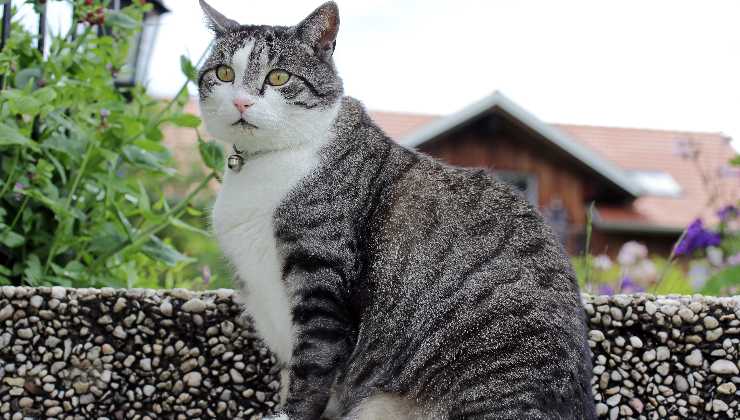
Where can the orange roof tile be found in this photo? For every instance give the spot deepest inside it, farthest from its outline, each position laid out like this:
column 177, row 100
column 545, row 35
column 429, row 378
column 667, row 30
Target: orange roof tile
column 707, row 181
column 398, row 125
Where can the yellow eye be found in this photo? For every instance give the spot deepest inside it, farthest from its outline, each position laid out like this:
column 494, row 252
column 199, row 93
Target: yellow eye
column 225, row 73
column 278, row 77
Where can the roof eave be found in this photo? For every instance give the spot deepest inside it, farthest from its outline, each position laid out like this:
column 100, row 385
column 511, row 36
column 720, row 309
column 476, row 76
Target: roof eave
column 439, row 127
column 637, row 227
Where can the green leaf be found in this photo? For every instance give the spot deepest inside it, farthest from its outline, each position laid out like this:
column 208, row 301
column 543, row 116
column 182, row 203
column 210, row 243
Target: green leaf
column 212, row 154
column 74, row 270
column 27, row 75
column 45, row 95
column 143, row 159
column 735, row 160
column 118, row 19
column 188, row 69
column 186, row 120
column 11, row 136
column 106, row 239
column 194, row 212
column 725, row 279
column 160, row 251
column 60, row 169
column 124, row 221
column 54, row 204
column 76, row 132
column 33, row 270
column 11, row 239
column 73, row 148
column 21, row 102
column 186, row 226
column 151, row 146
column 144, row 203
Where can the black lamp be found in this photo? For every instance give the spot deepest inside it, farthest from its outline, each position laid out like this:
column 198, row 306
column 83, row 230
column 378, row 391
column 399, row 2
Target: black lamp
column 142, row 46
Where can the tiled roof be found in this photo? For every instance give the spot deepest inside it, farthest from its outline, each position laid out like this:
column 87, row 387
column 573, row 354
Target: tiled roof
column 707, row 181
column 398, row 125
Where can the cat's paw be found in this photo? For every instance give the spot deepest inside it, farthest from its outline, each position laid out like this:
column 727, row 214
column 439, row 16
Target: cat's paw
column 276, row 417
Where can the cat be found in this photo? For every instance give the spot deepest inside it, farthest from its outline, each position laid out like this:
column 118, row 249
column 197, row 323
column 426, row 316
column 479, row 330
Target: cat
column 389, row 285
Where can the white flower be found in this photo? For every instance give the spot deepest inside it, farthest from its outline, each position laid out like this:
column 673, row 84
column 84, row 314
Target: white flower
column 631, row 252
column 715, row 256
column 602, row 262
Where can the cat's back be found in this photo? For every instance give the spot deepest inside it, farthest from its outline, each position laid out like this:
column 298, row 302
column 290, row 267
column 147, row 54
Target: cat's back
column 467, row 269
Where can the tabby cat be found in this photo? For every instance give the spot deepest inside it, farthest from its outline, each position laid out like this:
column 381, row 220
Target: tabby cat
column 388, row 284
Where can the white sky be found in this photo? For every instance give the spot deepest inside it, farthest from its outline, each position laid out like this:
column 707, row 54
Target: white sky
column 662, row 63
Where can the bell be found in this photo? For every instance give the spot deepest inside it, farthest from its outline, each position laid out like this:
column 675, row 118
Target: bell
column 235, row 162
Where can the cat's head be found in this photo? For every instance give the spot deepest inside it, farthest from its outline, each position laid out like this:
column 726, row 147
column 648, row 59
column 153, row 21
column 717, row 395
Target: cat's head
column 270, row 87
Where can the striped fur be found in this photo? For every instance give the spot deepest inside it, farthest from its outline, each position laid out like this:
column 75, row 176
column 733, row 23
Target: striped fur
column 414, row 290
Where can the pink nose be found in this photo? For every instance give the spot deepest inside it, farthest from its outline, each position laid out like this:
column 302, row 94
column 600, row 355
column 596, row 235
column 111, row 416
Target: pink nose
column 242, row 104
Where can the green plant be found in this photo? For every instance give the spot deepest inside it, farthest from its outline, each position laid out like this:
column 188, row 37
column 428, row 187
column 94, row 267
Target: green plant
column 83, row 165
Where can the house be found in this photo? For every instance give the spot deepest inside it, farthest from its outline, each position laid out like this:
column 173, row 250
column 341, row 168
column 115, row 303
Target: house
column 646, row 185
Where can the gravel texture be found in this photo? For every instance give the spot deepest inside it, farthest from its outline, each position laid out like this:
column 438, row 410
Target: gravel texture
column 130, row 354
column 143, row 354
column 667, row 357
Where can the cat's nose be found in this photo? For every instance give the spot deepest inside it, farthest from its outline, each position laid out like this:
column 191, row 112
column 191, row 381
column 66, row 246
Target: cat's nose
column 242, row 104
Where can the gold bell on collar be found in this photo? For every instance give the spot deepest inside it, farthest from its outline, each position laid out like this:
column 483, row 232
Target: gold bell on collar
column 235, row 161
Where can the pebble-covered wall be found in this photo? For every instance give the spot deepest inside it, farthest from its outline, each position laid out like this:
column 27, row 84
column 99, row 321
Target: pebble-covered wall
column 142, row 354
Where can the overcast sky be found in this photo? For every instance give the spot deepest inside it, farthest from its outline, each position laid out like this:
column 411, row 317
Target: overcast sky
column 659, row 64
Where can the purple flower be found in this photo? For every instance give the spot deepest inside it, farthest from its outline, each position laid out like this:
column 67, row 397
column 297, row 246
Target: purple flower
column 206, row 273
column 628, row 285
column 605, row 289
column 727, row 213
column 697, row 237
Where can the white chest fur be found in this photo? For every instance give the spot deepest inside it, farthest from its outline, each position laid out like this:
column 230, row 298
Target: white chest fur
column 243, row 224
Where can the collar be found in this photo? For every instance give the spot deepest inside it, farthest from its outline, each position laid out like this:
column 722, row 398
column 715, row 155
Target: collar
column 237, row 158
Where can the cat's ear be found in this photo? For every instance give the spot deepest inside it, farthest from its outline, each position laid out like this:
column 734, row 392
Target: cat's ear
column 319, row 29
column 219, row 23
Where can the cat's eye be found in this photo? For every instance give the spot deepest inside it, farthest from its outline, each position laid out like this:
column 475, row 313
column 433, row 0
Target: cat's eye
column 225, row 73
column 278, row 77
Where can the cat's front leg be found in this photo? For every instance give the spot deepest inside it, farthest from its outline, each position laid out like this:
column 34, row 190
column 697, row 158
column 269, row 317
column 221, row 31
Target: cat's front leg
column 323, row 337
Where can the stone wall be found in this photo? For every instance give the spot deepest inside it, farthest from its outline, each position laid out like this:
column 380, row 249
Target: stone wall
column 666, row 357
column 142, row 354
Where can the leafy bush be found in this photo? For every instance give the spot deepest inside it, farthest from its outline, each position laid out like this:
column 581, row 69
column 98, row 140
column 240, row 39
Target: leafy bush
column 83, row 164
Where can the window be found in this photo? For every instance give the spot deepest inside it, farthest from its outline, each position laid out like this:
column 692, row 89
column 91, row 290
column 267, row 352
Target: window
column 657, row 183
column 525, row 182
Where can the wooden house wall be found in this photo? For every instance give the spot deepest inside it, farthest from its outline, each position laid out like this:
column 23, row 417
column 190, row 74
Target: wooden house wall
column 504, row 148
column 497, row 143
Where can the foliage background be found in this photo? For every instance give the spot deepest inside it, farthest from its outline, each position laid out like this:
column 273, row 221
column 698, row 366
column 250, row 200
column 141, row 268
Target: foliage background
column 83, row 166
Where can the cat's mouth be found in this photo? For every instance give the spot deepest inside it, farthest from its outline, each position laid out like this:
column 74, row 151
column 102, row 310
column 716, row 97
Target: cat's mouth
column 244, row 124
